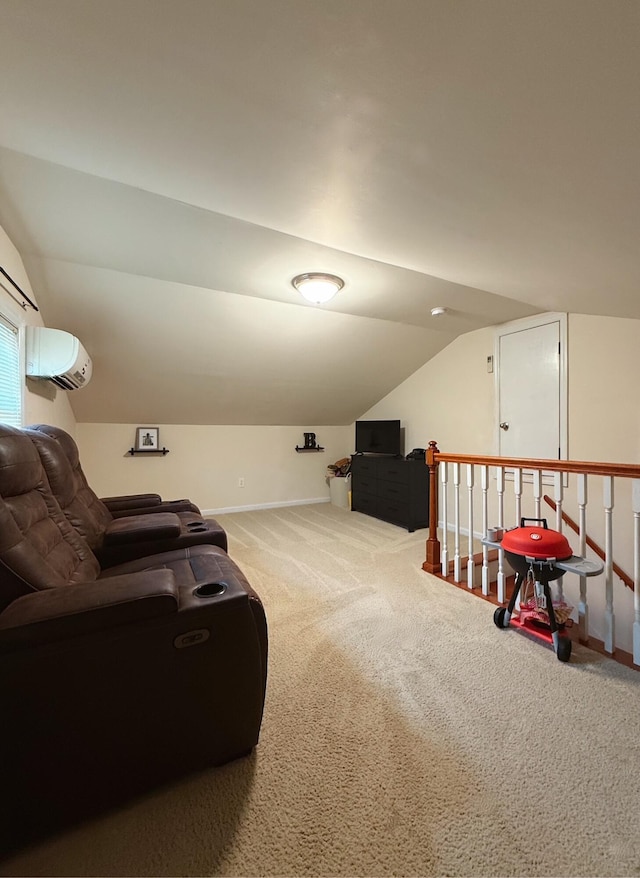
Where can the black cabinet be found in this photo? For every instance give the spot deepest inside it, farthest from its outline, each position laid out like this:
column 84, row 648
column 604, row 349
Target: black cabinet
column 391, row 488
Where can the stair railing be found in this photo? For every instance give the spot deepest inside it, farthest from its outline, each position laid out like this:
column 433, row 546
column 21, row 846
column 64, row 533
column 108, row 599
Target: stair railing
column 628, row 581
column 596, row 617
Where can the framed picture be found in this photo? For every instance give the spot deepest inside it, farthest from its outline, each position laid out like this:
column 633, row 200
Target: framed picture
column 148, row 439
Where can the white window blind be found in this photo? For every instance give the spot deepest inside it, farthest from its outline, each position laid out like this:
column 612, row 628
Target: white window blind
column 10, row 383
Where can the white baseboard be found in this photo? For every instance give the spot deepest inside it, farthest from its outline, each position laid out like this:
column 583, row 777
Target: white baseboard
column 255, row 506
column 464, row 531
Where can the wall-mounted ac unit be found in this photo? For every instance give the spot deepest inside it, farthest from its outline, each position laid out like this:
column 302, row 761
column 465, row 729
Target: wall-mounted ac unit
column 57, row 356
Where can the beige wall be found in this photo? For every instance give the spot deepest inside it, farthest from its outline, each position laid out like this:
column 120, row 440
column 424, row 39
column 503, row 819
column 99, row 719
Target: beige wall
column 205, row 463
column 42, row 401
column 604, row 403
column 604, row 422
column 450, row 399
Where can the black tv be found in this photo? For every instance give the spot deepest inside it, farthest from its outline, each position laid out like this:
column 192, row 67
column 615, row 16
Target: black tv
column 378, row 437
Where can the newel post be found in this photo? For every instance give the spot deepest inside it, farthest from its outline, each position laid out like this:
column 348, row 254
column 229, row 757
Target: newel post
column 432, row 562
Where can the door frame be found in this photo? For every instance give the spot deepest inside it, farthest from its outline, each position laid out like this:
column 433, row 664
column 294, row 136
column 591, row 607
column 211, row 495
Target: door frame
column 523, row 325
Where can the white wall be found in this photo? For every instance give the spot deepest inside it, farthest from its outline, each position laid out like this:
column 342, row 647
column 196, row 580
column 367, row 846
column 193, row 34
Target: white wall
column 205, row 463
column 42, row 401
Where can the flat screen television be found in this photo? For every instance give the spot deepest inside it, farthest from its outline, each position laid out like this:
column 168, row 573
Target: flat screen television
column 378, row 437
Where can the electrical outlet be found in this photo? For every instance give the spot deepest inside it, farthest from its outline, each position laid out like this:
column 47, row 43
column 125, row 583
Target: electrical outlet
column 241, row 482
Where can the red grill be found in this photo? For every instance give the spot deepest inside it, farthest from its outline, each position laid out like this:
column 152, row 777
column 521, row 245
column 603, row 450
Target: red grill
column 540, row 554
column 537, row 542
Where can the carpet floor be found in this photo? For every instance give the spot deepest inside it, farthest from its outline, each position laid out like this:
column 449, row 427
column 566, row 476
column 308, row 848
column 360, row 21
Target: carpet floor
column 403, row 735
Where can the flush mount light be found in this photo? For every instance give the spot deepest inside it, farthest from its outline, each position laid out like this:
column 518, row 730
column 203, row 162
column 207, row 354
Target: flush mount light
column 438, row 312
column 317, row 287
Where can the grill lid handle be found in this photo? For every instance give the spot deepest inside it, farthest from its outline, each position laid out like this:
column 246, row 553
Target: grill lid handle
column 543, row 520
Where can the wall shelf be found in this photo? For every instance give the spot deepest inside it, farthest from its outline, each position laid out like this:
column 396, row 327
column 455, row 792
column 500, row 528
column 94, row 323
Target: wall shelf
column 317, row 448
column 162, row 451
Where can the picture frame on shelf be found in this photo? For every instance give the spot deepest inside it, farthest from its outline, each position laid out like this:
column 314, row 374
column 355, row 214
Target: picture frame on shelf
column 147, row 439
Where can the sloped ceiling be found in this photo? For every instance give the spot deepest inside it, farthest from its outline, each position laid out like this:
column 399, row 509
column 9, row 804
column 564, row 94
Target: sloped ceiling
column 166, row 168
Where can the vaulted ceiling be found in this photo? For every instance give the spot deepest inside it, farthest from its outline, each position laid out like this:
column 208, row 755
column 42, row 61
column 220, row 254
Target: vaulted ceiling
column 167, row 167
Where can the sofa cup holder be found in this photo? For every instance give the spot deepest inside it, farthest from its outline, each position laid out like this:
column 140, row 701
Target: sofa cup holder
column 210, row 589
column 196, row 527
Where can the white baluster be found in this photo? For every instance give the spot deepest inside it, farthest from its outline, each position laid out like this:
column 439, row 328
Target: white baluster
column 517, row 490
column 636, row 571
column 444, row 554
column 583, row 609
column 558, row 494
column 484, row 475
column 609, row 618
column 470, row 561
column 537, row 490
column 500, row 579
column 457, row 559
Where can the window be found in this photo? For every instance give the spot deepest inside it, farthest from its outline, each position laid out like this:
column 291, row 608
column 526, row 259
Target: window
column 10, row 379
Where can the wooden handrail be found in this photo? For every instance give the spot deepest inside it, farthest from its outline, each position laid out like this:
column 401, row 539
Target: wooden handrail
column 434, row 457
column 596, row 468
column 592, row 545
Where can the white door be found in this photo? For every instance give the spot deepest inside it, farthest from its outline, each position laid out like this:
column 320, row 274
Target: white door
column 531, row 393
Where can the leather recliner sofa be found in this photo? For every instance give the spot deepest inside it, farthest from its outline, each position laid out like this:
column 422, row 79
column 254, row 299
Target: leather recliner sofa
column 112, row 681
column 121, row 505
column 115, row 540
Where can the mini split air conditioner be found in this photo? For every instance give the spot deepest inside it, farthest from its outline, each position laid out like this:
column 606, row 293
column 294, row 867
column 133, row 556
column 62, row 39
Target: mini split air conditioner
column 57, row 356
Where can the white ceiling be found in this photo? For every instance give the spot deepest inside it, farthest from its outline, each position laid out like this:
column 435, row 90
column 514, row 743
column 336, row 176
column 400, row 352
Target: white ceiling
column 167, row 166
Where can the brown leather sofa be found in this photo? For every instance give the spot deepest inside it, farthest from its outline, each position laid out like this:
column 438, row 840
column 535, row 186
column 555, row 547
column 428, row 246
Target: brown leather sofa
column 121, row 505
column 115, row 540
column 112, row 681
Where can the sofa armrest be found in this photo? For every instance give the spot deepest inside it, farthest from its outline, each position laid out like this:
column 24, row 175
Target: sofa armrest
column 140, row 504
column 139, row 528
column 86, row 607
column 163, row 506
column 131, row 501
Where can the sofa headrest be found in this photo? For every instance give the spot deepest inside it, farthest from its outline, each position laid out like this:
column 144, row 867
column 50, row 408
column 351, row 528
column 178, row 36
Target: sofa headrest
column 20, row 464
column 66, row 441
column 56, row 464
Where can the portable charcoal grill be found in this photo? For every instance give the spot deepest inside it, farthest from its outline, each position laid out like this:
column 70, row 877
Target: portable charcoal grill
column 543, row 555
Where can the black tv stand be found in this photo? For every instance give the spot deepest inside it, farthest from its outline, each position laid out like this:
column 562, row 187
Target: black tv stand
column 391, row 488
column 378, row 455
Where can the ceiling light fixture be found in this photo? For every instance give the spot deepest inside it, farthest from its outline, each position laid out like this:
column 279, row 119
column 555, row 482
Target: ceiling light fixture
column 317, row 287
column 438, row 312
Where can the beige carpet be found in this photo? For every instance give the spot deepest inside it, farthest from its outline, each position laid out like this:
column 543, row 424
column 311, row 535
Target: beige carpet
column 404, row 734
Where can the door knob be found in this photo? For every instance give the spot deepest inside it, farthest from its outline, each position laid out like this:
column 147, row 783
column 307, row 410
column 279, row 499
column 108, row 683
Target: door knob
column 504, row 425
